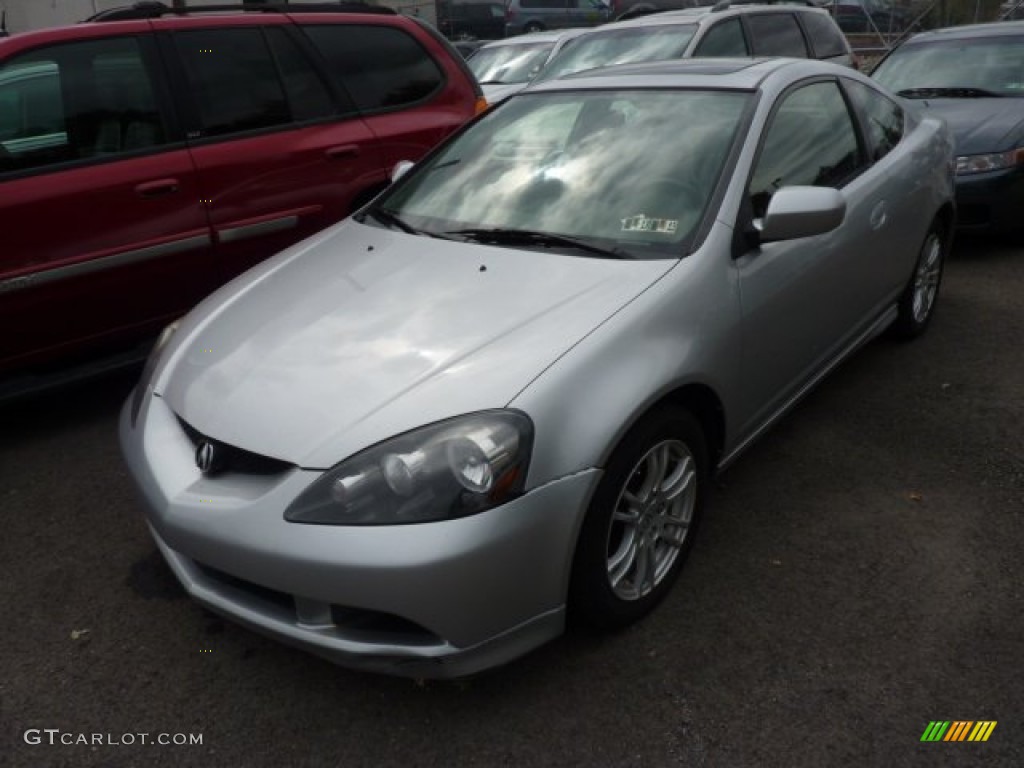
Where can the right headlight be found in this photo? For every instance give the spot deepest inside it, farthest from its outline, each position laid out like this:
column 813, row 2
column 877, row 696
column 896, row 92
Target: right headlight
column 447, row 470
column 139, row 395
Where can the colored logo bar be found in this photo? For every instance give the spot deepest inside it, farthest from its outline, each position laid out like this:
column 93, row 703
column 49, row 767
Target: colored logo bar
column 958, row 730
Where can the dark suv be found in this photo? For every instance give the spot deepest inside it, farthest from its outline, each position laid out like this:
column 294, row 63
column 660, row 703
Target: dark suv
column 145, row 161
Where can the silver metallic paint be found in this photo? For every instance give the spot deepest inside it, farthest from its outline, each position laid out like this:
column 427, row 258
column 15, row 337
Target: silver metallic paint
column 361, row 333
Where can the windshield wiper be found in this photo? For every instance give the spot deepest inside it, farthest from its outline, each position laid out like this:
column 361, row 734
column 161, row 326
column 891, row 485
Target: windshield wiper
column 493, row 82
column 384, row 216
column 502, row 236
column 960, row 92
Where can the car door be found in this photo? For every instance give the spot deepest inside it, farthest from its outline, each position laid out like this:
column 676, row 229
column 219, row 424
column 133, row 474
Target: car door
column 406, row 99
column 806, row 300
column 279, row 154
column 102, row 235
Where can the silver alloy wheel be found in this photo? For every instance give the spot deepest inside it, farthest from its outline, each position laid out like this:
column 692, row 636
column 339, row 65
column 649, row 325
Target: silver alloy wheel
column 926, row 279
column 651, row 519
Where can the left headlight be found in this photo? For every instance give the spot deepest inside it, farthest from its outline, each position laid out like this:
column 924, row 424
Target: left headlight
column 968, row 164
column 139, row 395
column 447, row 470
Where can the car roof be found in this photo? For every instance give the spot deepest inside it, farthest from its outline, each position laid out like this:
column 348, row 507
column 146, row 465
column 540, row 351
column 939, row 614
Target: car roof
column 719, row 73
column 992, row 29
column 546, row 36
column 701, row 13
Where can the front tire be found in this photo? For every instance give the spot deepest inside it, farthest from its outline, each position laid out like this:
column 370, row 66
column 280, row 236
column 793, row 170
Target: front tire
column 532, row 27
column 917, row 304
column 641, row 522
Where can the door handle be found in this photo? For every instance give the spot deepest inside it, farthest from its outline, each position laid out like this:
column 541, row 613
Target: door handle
column 157, row 188
column 878, row 216
column 342, row 150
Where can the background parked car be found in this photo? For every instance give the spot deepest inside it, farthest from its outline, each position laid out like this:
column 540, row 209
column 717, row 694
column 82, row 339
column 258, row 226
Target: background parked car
column 504, row 67
column 873, row 16
column 145, row 162
column 471, row 20
column 972, row 77
column 743, row 30
column 536, row 15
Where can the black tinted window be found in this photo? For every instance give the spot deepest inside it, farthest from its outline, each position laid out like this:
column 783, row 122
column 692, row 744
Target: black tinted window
column 884, row 118
column 233, row 79
column 725, row 39
column 548, row 4
column 826, row 39
column 776, row 34
column 810, row 142
column 76, row 101
column 380, row 67
column 308, row 97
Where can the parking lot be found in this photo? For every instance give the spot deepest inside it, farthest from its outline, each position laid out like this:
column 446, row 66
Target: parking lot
column 858, row 576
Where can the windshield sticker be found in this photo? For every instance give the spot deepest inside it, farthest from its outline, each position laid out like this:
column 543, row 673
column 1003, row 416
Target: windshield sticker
column 642, row 223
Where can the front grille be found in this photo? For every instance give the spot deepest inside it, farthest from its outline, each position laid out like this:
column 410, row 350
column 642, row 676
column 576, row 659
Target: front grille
column 234, row 459
column 281, row 602
column 377, row 627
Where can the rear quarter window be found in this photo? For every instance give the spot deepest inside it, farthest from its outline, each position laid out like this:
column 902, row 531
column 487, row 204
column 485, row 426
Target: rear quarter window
column 826, row 39
column 776, row 34
column 380, row 67
column 883, row 116
column 723, row 39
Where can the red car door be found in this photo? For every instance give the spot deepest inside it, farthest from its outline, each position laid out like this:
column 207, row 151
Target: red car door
column 278, row 156
column 411, row 93
column 103, row 235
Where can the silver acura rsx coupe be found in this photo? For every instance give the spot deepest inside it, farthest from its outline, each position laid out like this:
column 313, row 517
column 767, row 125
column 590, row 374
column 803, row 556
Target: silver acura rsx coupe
column 492, row 400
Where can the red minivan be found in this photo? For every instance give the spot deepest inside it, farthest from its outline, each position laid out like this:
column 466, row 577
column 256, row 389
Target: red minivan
column 144, row 162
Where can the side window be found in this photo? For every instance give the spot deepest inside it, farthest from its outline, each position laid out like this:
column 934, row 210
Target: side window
column 75, row 102
column 233, row 79
column 724, row 39
column 810, row 141
column 308, row 96
column 884, row 118
column 826, row 39
column 381, row 67
column 776, row 34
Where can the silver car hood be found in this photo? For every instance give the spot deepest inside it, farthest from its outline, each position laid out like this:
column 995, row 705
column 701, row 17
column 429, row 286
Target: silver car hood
column 349, row 339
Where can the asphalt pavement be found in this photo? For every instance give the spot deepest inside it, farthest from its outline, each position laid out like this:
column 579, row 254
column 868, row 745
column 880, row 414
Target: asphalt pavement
column 858, row 576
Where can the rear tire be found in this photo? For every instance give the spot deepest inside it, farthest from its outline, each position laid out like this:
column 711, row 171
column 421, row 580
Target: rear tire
column 641, row 522
column 917, row 303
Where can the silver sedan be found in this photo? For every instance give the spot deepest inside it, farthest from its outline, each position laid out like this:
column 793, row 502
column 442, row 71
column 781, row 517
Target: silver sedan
column 491, row 402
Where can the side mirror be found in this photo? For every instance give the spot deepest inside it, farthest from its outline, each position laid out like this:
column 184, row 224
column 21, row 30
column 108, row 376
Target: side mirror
column 401, row 168
column 795, row 212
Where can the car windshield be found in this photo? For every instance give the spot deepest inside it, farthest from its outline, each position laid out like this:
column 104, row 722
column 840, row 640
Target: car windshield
column 631, row 171
column 964, row 68
column 509, row 63
column 619, row 46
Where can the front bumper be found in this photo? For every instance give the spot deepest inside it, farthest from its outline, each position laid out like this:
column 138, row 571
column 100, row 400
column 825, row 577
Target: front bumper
column 442, row 599
column 990, row 202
